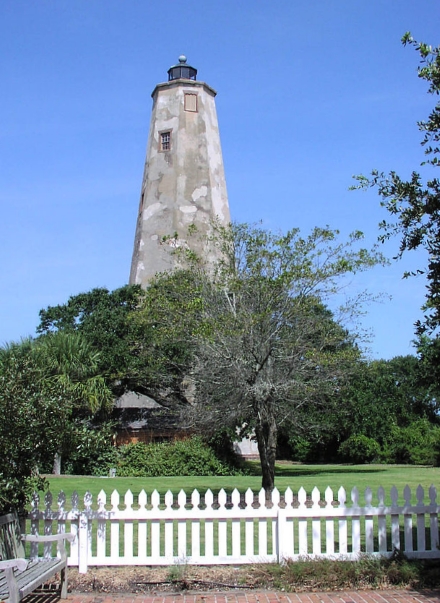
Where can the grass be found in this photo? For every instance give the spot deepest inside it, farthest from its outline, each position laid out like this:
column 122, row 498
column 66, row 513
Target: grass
column 287, row 475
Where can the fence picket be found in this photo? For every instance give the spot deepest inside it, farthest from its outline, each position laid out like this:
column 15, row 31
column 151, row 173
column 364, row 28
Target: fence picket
column 407, row 520
column 142, row 525
column 382, row 521
column 249, row 524
column 369, row 523
column 343, row 530
column 302, row 524
column 74, row 546
column 316, row 523
column 209, row 527
column 236, row 536
column 289, row 540
column 329, row 524
column 196, row 552
column 433, row 519
column 102, row 525
column 420, row 521
column 48, row 524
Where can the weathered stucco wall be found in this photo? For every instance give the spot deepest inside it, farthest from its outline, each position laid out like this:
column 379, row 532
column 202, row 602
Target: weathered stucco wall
column 182, row 186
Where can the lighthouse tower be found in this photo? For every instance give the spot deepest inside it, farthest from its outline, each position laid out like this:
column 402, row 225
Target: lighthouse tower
column 183, row 187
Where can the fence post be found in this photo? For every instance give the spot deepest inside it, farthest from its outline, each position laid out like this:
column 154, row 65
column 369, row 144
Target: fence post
column 281, row 535
column 83, row 544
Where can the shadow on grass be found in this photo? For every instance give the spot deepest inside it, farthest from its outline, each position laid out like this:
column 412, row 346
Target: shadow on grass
column 293, row 470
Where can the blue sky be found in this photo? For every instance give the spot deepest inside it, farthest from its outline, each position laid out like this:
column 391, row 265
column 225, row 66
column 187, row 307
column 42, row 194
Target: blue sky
column 309, row 93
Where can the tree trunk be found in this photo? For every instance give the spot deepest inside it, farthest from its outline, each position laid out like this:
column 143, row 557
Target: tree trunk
column 266, row 433
column 57, row 464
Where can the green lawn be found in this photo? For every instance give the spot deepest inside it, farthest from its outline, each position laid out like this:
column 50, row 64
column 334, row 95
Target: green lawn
column 287, row 474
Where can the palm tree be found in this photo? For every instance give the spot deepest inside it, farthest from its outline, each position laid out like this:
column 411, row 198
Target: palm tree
column 68, row 360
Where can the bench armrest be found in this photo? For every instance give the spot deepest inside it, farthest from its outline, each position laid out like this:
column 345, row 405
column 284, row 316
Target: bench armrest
column 11, row 563
column 58, row 538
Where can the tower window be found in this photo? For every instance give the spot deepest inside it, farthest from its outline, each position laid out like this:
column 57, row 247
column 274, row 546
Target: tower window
column 165, row 141
column 141, row 204
column 190, row 102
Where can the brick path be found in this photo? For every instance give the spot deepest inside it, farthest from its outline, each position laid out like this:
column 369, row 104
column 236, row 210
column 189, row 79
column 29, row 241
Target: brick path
column 371, row 596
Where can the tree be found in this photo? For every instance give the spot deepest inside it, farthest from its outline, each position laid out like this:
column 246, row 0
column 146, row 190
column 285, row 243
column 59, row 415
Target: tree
column 102, row 318
column 260, row 343
column 386, row 393
column 415, row 204
column 69, row 359
column 31, row 422
column 54, row 381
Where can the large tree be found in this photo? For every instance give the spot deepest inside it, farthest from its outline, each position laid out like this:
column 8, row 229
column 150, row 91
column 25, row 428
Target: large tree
column 257, row 340
column 102, row 318
column 31, row 422
column 46, row 386
column 383, row 393
column 414, row 204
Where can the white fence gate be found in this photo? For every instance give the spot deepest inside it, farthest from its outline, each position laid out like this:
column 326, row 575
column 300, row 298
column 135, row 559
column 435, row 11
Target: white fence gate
column 237, row 529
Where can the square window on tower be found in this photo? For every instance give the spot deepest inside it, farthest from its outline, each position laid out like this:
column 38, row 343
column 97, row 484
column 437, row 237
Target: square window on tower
column 165, row 141
column 190, row 102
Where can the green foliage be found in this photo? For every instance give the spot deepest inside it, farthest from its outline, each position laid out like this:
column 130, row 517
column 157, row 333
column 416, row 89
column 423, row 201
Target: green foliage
column 222, row 444
column 386, row 393
column 359, row 449
column 253, row 333
column 102, row 318
column 417, row 444
column 93, row 451
column 182, row 457
column 69, row 359
column 172, row 314
column 45, row 385
column 33, row 416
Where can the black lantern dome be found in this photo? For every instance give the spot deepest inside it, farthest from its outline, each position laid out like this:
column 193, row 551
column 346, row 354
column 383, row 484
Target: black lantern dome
column 182, row 71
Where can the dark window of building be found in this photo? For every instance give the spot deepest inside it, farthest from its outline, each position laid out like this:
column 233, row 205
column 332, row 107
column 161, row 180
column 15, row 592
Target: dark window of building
column 191, row 102
column 165, row 141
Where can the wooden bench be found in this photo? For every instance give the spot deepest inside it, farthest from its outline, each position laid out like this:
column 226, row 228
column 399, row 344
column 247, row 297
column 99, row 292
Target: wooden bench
column 19, row 576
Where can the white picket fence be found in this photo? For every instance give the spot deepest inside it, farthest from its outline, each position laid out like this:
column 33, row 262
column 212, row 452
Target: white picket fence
column 238, row 529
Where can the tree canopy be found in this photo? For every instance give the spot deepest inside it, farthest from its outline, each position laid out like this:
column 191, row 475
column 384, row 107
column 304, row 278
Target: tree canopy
column 262, row 342
column 102, row 318
column 46, row 385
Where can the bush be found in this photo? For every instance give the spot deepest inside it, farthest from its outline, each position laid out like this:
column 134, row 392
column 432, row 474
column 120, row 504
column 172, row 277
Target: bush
column 417, row 444
column 222, row 445
column 33, row 417
column 359, row 449
column 183, row 457
column 93, row 452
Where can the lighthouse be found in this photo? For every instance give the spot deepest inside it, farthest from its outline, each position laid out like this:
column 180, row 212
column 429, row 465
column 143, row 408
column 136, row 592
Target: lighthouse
column 183, row 189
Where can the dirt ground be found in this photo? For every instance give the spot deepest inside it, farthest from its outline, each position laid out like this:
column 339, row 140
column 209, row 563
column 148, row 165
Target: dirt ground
column 164, row 579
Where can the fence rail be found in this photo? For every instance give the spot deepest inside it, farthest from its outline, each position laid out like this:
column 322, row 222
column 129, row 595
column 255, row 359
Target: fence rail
column 239, row 528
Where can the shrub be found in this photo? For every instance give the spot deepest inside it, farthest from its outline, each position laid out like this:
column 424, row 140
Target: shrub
column 359, row 449
column 417, row 444
column 183, row 457
column 93, row 452
column 222, row 444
